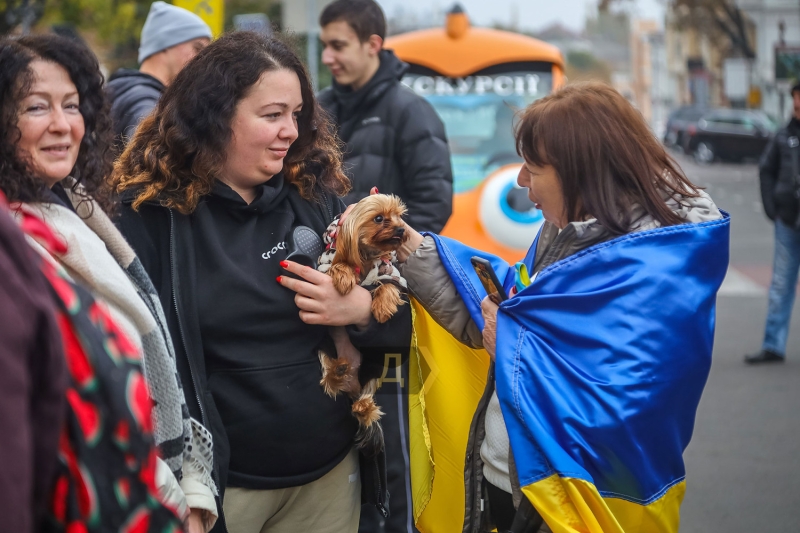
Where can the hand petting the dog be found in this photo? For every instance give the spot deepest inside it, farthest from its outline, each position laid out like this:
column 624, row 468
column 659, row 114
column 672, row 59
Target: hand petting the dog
column 321, row 304
column 408, row 247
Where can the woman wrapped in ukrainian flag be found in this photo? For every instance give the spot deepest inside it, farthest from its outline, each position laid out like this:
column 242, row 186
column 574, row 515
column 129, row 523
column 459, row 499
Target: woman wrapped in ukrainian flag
column 602, row 350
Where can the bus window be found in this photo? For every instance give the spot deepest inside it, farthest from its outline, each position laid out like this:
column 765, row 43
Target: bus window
column 479, row 116
column 478, row 79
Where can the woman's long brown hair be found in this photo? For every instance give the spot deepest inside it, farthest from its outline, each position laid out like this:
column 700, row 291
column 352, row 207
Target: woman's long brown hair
column 605, row 155
column 180, row 149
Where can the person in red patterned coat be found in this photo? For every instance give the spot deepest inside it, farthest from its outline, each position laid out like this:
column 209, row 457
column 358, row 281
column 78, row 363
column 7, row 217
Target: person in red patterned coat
column 105, row 472
column 32, row 383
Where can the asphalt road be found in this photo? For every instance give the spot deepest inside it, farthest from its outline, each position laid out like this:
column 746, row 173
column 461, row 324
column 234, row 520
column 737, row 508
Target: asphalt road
column 743, row 464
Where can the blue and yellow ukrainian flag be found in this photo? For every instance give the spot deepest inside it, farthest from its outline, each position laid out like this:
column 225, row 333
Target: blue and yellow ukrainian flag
column 600, row 365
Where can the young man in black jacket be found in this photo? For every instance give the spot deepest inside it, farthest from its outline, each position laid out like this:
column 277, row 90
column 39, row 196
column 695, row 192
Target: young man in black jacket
column 395, row 140
column 171, row 36
column 779, row 170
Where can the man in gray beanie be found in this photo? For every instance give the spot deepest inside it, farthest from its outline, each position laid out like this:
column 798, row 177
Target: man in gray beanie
column 171, row 36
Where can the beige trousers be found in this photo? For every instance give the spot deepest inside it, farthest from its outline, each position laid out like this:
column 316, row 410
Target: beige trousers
column 331, row 504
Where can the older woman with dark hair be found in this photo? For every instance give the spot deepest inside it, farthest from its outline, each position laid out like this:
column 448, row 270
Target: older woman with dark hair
column 603, row 345
column 235, row 157
column 55, row 136
column 34, row 69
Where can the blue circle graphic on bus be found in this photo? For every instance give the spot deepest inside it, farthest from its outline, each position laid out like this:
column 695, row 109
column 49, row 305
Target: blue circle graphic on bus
column 506, row 213
column 516, row 205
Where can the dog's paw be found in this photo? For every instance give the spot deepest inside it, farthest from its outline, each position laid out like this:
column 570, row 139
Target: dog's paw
column 344, row 277
column 335, row 375
column 385, row 300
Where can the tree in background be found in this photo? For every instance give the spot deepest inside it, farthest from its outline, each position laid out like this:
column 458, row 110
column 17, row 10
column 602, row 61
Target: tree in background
column 14, row 13
column 583, row 66
column 111, row 27
column 720, row 19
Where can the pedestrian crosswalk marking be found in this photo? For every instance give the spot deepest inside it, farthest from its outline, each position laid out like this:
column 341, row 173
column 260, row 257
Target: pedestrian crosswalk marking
column 737, row 284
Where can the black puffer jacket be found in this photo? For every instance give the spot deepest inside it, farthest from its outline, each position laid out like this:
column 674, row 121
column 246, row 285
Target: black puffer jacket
column 778, row 171
column 395, row 141
column 133, row 96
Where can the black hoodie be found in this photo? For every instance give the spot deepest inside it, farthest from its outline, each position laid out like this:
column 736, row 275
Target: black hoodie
column 395, row 141
column 261, row 359
column 243, row 351
column 133, row 96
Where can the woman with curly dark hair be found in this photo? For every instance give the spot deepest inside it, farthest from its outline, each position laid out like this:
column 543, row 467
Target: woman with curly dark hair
column 236, row 156
column 55, row 135
column 87, row 159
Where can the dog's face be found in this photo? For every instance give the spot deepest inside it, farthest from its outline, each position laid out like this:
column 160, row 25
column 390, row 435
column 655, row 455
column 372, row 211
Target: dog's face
column 378, row 221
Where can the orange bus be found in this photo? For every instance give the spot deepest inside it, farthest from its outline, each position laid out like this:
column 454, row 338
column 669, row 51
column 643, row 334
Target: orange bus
column 476, row 79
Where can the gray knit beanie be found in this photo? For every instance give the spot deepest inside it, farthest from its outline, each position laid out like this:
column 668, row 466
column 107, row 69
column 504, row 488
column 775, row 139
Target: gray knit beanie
column 168, row 25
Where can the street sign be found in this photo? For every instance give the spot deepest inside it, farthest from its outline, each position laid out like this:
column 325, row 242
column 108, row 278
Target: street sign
column 787, row 62
column 736, row 76
column 211, row 11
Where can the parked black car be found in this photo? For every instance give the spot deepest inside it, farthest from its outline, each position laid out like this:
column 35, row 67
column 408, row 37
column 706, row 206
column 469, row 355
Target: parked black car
column 729, row 134
column 679, row 120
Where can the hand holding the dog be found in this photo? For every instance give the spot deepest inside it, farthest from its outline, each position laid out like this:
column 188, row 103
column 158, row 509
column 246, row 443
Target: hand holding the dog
column 489, row 312
column 321, row 304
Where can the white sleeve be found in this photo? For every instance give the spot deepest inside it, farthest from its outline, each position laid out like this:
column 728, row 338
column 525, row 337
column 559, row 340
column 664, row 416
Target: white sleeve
column 198, row 483
column 170, row 491
column 198, row 494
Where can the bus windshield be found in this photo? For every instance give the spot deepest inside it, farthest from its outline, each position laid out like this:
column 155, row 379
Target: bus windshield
column 478, row 113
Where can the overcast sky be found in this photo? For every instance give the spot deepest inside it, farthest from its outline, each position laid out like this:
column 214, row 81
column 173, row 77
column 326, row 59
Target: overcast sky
column 532, row 14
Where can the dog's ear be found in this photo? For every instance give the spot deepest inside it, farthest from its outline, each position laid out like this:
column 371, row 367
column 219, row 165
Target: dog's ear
column 400, row 206
column 347, row 242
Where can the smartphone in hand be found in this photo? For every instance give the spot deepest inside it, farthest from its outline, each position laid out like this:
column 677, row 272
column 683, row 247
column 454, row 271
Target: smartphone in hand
column 488, row 277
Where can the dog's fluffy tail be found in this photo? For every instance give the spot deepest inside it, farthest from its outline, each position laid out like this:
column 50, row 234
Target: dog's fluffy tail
column 369, row 438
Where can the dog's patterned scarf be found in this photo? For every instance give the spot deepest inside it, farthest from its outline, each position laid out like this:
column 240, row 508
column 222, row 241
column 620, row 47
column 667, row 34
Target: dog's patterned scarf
column 383, row 270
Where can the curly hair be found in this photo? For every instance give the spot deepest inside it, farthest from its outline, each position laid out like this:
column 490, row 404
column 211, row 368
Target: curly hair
column 180, row 149
column 95, row 159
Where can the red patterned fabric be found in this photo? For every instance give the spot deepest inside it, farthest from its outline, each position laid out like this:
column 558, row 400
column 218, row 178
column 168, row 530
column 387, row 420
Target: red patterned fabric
column 106, row 473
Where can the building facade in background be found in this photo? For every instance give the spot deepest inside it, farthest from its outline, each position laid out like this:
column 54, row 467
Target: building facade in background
column 648, row 73
column 694, row 61
column 777, row 26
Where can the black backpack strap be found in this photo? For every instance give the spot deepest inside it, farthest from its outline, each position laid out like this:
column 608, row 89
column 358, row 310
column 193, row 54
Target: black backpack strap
column 527, row 519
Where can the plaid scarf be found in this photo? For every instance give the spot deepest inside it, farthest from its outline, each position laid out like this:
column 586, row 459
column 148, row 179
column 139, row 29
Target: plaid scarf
column 100, row 259
column 105, row 475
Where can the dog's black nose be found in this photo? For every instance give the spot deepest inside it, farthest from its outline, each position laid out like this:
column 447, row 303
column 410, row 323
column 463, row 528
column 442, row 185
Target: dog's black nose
column 399, row 231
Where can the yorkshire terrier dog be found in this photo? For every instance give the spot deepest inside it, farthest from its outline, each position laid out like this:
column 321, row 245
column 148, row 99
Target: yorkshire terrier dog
column 369, row 237
column 362, row 252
